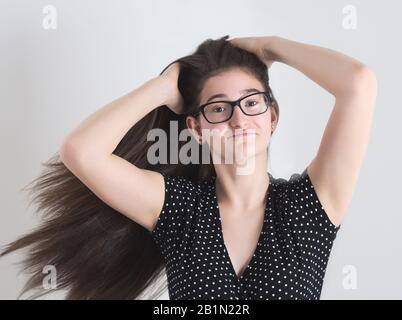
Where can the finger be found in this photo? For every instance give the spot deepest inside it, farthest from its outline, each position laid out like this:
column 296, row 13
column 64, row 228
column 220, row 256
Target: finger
column 232, row 40
column 235, row 42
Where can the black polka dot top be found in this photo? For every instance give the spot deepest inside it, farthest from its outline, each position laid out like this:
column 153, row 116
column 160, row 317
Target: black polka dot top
column 290, row 258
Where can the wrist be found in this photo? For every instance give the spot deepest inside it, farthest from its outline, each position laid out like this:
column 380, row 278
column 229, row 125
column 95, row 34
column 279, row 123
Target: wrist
column 270, row 48
column 161, row 89
column 153, row 93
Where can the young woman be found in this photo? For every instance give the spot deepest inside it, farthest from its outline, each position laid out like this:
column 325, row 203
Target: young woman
column 113, row 220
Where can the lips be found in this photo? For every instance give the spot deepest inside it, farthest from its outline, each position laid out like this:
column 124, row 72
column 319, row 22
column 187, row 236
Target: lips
column 243, row 133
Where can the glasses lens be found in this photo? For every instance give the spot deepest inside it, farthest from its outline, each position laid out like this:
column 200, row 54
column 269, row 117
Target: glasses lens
column 218, row 112
column 255, row 104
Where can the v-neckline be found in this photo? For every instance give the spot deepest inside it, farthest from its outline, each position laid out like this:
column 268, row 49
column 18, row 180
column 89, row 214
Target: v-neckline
column 261, row 235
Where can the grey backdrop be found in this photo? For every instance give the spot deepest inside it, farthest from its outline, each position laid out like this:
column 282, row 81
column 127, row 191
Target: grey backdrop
column 51, row 79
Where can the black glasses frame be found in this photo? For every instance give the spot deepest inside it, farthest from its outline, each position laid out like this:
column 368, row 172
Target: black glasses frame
column 235, row 103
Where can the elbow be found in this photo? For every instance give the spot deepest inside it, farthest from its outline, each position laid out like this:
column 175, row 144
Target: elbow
column 361, row 83
column 69, row 152
column 364, row 80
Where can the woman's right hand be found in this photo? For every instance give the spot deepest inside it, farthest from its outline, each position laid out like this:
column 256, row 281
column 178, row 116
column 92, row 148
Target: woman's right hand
column 175, row 100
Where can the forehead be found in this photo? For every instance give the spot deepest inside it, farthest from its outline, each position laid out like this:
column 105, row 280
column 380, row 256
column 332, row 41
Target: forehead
column 229, row 83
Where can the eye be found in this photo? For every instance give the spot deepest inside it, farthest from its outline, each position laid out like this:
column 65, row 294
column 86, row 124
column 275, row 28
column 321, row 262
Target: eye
column 218, row 109
column 250, row 103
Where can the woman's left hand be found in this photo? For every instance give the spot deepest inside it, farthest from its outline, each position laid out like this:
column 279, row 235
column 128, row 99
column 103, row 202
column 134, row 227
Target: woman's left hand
column 257, row 45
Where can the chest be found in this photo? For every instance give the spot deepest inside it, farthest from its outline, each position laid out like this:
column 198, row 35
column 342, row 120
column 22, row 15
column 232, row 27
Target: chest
column 202, row 268
column 241, row 232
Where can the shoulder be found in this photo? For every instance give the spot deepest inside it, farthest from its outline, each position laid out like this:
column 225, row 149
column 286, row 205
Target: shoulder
column 295, row 186
column 182, row 192
column 183, row 185
column 178, row 210
column 302, row 199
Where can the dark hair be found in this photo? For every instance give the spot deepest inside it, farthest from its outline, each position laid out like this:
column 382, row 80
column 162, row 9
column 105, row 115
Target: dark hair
column 98, row 252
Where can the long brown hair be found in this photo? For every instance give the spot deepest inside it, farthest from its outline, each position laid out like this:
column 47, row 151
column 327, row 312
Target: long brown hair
column 97, row 252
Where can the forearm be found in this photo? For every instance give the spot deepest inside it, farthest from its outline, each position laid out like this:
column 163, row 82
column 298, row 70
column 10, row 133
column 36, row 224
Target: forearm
column 103, row 130
column 339, row 74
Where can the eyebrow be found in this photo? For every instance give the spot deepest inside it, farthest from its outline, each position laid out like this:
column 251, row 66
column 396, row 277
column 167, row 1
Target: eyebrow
column 222, row 95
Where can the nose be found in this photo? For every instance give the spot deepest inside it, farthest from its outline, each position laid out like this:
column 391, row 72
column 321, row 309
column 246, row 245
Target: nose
column 238, row 118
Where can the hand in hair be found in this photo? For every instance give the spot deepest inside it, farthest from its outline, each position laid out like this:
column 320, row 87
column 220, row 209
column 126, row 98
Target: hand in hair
column 257, row 45
column 171, row 74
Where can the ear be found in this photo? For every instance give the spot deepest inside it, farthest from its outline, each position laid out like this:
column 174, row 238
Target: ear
column 193, row 125
column 274, row 119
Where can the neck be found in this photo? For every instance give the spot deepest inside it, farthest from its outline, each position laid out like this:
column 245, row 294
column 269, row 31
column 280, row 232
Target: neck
column 246, row 191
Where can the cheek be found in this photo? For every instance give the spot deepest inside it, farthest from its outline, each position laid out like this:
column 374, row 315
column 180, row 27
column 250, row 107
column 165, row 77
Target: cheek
column 209, row 128
column 212, row 132
column 264, row 123
column 264, row 126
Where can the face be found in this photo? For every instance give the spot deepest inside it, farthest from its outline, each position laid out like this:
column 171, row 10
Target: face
column 232, row 85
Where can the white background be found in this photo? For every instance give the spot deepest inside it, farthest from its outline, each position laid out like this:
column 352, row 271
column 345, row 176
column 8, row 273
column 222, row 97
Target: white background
column 50, row 80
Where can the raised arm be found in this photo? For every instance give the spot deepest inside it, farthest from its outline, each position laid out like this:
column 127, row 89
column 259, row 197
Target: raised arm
column 335, row 168
column 88, row 152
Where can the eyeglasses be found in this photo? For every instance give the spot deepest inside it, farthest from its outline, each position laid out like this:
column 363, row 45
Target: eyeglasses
column 221, row 111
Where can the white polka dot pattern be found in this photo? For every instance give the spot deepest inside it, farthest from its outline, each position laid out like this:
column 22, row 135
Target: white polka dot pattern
column 289, row 261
